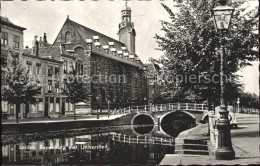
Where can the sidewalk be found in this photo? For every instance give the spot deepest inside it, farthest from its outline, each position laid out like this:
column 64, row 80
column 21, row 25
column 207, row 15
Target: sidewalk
column 245, row 141
column 62, row 119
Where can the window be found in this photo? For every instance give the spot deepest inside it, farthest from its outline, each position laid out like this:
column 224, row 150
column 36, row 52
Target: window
column 38, row 69
column 49, row 86
column 79, row 67
column 16, row 41
column 57, row 71
column 57, row 86
column 65, row 66
column 4, row 39
column 49, row 70
column 67, row 37
column 70, row 66
column 29, row 65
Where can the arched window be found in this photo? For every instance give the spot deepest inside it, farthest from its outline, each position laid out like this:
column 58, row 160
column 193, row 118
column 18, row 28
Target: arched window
column 67, row 37
column 79, row 67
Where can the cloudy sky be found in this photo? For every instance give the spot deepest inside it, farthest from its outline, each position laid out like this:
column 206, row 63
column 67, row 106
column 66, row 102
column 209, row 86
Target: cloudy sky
column 103, row 16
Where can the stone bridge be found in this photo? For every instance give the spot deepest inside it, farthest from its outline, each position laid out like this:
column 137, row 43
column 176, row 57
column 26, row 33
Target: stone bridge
column 167, row 113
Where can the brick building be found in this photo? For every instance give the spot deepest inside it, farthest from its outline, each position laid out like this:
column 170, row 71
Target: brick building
column 116, row 73
column 99, row 55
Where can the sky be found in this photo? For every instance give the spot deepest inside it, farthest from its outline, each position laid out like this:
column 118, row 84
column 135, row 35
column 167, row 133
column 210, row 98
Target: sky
column 103, row 16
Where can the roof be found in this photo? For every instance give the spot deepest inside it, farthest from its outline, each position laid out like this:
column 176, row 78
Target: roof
column 51, row 52
column 5, row 21
column 126, row 8
column 87, row 33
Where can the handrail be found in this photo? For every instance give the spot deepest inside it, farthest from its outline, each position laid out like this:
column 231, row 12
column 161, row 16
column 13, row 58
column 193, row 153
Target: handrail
column 160, row 107
column 142, row 139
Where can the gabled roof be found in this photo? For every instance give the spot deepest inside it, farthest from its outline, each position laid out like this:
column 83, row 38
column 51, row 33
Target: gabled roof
column 87, row 33
column 51, row 52
column 5, row 21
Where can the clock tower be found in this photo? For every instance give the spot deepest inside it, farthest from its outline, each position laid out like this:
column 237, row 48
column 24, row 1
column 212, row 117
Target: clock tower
column 126, row 31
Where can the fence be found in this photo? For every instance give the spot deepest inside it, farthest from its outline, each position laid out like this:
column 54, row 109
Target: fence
column 142, row 139
column 158, row 108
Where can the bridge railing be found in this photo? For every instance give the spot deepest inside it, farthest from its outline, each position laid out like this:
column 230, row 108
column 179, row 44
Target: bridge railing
column 160, row 107
column 170, row 106
column 142, row 139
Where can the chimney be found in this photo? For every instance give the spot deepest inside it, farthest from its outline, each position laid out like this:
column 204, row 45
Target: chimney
column 34, row 44
column 37, row 48
column 44, row 38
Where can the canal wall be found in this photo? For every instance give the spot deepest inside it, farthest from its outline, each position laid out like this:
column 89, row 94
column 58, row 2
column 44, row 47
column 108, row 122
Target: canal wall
column 36, row 127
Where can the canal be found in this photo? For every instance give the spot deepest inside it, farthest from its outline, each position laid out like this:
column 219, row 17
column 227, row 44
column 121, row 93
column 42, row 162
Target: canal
column 127, row 144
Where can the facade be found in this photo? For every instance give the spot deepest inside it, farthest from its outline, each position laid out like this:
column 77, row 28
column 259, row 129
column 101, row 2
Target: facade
column 12, row 37
column 116, row 74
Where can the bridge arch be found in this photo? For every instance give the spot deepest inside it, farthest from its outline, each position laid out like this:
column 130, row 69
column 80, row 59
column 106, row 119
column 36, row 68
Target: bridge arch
column 204, row 118
column 174, row 122
column 142, row 124
column 147, row 119
column 176, row 111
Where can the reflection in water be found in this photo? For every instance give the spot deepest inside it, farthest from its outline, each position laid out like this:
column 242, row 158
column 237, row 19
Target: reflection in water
column 143, row 129
column 101, row 148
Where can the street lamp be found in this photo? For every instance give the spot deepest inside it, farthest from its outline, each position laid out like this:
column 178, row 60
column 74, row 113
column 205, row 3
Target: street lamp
column 238, row 102
column 222, row 17
column 97, row 99
column 108, row 107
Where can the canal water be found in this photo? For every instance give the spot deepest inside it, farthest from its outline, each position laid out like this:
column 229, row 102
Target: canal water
column 129, row 144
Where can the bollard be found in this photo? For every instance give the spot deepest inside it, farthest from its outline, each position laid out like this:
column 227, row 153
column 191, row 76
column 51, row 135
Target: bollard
column 161, row 108
column 179, row 107
column 124, row 138
column 186, row 106
column 136, row 139
column 129, row 139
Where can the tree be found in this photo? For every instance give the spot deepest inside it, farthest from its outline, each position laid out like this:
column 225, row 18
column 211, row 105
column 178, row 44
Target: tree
column 19, row 87
column 190, row 48
column 249, row 100
column 76, row 89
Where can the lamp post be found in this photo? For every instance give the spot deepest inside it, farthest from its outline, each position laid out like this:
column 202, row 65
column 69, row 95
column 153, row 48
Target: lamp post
column 97, row 98
column 108, row 107
column 238, row 102
column 222, row 16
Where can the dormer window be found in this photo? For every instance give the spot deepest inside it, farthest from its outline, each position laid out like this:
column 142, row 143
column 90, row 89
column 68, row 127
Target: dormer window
column 124, row 49
column 132, row 57
column 106, row 47
column 67, row 37
column 120, row 53
column 126, row 55
column 97, row 44
column 96, row 38
column 113, row 50
column 111, row 44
